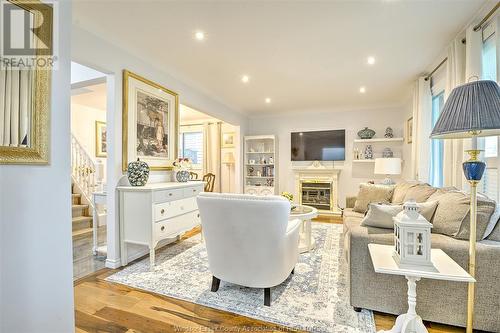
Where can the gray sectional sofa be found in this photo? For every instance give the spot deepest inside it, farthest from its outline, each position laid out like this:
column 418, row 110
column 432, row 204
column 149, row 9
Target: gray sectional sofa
column 438, row 301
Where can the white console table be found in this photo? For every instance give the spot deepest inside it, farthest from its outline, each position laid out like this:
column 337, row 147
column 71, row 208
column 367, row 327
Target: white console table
column 151, row 213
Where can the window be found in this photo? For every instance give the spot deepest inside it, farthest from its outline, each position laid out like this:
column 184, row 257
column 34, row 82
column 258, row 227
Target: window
column 191, row 146
column 490, row 183
column 436, row 167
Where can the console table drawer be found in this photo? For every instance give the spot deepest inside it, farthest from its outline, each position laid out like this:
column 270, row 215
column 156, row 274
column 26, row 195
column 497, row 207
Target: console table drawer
column 176, row 225
column 168, row 195
column 173, row 208
column 192, row 191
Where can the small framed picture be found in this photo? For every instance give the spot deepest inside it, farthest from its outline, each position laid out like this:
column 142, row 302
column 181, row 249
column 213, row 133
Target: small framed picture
column 228, row 140
column 100, row 139
column 409, row 130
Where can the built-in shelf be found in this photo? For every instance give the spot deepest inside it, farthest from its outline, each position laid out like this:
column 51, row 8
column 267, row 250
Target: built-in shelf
column 379, row 140
column 364, row 161
column 259, row 164
column 259, row 177
column 260, row 152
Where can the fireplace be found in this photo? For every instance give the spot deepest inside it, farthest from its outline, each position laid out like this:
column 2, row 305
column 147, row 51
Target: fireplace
column 317, row 186
column 317, row 194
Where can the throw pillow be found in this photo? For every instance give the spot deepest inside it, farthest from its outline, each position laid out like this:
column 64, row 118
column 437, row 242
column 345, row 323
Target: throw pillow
column 372, row 193
column 398, row 196
column 495, row 234
column 485, row 209
column 420, row 192
column 380, row 215
column 453, row 207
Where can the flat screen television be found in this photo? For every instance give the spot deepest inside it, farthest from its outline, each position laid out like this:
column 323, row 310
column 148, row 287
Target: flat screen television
column 318, row 146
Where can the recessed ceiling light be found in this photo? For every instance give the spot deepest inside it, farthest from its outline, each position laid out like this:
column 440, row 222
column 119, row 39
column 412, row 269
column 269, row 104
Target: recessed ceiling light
column 245, row 79
column 268, row 100
column 362, row 90
column 199, row 35
column 370, row 60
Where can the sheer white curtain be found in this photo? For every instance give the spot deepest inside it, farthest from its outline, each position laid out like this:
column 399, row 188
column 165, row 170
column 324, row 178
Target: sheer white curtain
column 422, row 112
column 15, row 106
column 453, row 150
column 212, row 149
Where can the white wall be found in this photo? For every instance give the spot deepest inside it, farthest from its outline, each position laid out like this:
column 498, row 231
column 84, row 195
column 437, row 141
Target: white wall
column 35, row 220
column 352, row 121
column 90, row 50
column 83, row 120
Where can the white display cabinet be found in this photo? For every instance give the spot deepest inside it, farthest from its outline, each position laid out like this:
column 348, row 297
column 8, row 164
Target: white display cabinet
column 260, row 171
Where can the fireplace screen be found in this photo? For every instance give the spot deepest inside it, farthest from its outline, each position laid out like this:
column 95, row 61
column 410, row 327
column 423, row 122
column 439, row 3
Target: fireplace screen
column 317, row 195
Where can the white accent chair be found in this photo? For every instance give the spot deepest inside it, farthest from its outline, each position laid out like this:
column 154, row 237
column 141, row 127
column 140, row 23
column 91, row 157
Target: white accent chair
column 250, row 240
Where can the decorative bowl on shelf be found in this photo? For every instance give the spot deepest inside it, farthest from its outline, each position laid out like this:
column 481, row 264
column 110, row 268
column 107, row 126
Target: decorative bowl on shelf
column 366, row 133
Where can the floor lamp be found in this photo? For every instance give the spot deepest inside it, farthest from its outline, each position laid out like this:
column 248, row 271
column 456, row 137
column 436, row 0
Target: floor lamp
column 229, row 160
column 471, row 110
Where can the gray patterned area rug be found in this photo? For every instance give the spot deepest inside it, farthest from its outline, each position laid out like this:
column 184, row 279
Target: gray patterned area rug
column 314, row 299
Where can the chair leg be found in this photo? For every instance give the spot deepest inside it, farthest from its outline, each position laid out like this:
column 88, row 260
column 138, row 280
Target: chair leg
column 357, row 309
column 267, row 296
column 215, row 284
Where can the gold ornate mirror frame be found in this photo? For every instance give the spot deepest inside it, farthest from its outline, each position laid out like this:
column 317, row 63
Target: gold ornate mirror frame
column 38, row 150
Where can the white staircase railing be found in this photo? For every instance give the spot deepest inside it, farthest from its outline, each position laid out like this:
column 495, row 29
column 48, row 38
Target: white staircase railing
column 83, row 169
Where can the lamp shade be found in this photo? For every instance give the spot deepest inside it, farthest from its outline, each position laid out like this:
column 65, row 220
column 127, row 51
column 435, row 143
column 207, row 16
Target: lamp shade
column 387, row 166
column 228, row 158
column 472, row 109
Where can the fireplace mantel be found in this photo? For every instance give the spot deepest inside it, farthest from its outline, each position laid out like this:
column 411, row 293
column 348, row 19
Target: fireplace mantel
column 318, row 173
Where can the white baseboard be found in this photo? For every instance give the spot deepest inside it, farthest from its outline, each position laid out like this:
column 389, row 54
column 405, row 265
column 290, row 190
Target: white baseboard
column 113, row 263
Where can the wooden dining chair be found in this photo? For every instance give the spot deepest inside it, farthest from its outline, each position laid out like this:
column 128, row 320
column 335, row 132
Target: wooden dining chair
column 209, row 178
column 193, row 175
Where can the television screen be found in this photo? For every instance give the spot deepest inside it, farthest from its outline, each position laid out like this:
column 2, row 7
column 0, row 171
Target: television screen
column 318, row 146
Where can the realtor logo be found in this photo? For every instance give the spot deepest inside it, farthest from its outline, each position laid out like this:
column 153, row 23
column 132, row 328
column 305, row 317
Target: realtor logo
column 27, row 34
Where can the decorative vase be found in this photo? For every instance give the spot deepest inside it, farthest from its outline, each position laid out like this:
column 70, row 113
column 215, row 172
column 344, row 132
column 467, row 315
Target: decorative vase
column 387, row 153
column 182, row 176
column 366, row 133
column 138, row 173
column 368, row 152
column 389, row 133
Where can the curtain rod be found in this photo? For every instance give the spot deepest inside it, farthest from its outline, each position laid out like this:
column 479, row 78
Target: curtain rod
column 480, row 25
column 435, row 69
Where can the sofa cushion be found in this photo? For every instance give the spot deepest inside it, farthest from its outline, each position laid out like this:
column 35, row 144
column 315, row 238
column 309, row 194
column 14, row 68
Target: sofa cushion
column 420, row 192
column 398, row 196
column 453, row 207
column 369, row 193
column 485, row 209
column 380, row 215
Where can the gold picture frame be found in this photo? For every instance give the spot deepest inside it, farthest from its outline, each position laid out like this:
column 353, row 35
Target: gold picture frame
column 160, row 107
column 409, row 130
column 101, row 139
column 227, row 139
column 36, row 151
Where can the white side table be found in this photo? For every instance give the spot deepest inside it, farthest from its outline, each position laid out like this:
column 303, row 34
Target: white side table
column 445, row 268
column 305, row 214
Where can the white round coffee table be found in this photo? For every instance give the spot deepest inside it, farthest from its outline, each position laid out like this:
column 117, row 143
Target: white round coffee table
column 305, row 214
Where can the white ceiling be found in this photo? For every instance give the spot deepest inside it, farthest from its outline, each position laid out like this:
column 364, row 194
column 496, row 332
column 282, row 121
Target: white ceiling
column 304, row 55
column 189, row 115
column 93, row 96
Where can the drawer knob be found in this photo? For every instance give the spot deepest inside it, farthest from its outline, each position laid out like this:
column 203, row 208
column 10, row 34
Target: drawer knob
column 170, row 194
column 162, row 211
column 162, row 228
column 198, row 215
column 194, row 190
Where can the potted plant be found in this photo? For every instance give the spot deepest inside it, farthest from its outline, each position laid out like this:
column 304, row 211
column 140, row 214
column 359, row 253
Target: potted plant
column 289, row 196
column 182, row 165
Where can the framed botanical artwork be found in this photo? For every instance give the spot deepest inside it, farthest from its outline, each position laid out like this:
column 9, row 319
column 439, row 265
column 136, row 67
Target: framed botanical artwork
column 409, row 130
column 228, row 140
column 150, row 123
column 101, row 149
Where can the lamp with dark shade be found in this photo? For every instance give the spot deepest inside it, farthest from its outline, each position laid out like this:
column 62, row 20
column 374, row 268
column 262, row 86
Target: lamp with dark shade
column 471, row 110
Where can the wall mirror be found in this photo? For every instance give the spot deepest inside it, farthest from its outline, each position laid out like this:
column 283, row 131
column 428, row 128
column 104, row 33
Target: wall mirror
column 25, row 85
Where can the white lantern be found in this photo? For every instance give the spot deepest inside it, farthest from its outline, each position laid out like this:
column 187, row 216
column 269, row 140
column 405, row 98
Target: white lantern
column 412, row 239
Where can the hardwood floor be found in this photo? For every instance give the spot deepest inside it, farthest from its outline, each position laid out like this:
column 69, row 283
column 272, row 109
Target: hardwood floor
column 102, row 306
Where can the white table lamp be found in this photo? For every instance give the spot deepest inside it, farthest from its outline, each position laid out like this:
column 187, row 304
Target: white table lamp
column 388, row 167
